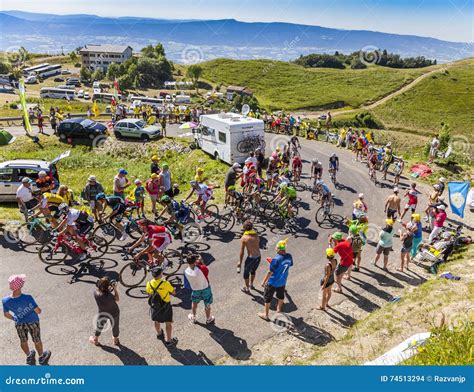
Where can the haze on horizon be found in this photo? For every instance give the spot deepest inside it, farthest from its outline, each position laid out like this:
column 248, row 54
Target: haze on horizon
column 450, row 20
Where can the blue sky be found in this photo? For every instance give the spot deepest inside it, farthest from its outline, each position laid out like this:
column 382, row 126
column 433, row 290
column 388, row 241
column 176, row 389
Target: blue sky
column 444, row 19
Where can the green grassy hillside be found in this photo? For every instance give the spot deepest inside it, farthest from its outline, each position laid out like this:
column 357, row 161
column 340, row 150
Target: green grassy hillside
column 444, row 96
column 282, row 85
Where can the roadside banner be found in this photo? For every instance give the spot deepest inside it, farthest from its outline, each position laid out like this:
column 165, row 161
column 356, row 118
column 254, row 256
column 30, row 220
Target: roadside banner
column 26, row 118
column 458, row 196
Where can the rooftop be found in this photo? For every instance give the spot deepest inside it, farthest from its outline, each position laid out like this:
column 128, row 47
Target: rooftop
column 105, row 48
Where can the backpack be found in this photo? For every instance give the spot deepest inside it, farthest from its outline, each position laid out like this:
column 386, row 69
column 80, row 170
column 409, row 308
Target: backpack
column 155, row 300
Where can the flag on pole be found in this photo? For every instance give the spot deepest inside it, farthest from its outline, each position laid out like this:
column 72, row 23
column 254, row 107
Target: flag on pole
column 26, row 118
column 95, row 109
column 116, row 92
column 458, row 196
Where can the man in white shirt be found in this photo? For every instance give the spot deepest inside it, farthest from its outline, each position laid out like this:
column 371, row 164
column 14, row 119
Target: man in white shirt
column 24, row 196
column 196, row 279
column 434, row 149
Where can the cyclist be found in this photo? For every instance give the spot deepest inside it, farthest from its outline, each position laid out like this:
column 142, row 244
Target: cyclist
column 77, row 223
column 294, row 145
column 333, row 165
column 159, row 239
column 297, row 167
column 360, row 207
column 118, row 207
column 326, row 194
column 287, row 195
column 316, row 170
column 204, row 194
column 387, row 159
column 47, row 204
column 178, row 213
column 372, row 160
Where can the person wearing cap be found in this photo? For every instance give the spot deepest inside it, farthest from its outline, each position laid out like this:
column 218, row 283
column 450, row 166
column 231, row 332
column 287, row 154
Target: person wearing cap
column 439, row 219
column 398, row 170
column 24, row 197
column 233, row 173
column 44, row 182
column 121, row 182
column 196, row 277
column 387, row 159
column 385, row 243
column 434, row 146
column 23, row 310
column 343, row 248
column 276, row 278
column 154, row 166
column 91, row 190
column 327, row 279
column 360, row 207
column 161, row 311
column 165, row 181
column 260, row 160
column 412, row 195
column 441, row 185
column 417, row 227
column 152, row 186
column 392, row 205
column 137, row 195
column 406, row 238
column 357, row 241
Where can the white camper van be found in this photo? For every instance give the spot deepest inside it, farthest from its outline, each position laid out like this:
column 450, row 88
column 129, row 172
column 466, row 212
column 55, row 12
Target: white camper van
column 229, row 137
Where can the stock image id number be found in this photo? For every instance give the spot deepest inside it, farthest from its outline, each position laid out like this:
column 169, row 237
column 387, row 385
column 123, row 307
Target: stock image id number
column 403, row 378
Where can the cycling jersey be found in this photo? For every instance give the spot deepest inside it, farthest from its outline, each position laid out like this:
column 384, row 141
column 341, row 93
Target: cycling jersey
column 325, row 189
column 80, row 220
column 204, row 192
column 297, row 162
column 317, row 168
column 291, row 192
column 159, row 236
column 373, row 158
column 333, row 162
column 116, row 203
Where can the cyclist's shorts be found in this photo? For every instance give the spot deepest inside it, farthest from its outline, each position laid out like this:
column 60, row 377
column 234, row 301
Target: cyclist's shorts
column 84, row 228
column 205, row 197
column 160, row 243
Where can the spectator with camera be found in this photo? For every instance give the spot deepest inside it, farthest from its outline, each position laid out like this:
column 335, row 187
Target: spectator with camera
column 106, row 296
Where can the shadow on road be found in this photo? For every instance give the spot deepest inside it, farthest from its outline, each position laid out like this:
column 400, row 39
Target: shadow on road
column 361, row 301
column 234, row 346
column 189, row 357
column 125, row 354
column 308, row 333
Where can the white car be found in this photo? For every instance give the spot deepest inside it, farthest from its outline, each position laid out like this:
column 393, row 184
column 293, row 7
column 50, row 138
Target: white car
column 96, row 85
column 31, row 79
column 97, row 90
column 86, row 95
column 136, row 128
column 65, row 72
column 80, row 94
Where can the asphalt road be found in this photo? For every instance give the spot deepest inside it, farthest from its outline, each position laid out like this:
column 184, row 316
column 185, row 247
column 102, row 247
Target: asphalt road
column 69, row 309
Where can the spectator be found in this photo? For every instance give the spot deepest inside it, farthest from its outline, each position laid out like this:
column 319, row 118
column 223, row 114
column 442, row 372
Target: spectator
column 54, row 122
column 441, row 185
column 154, row 166
column 392, row 205
column 357, row 243
column 328, row 278
column 91, row 190
column 166, row 186
column 40, row 124
column 276, row 278
column 360, row 207
column 385, row 243
column 440, row 217
column 121, row 182
column 24, row 311
column 160, row 291
column 67, row 195
column 106, row 296
column 251, row 242
column 44, row 182
column 231, row 178
column 343, row 248
column 406, row 238
column 152, row 186
column 197, row 279
column 434, row 146
column 24, row 197
column 260, row 160
column 163, row 126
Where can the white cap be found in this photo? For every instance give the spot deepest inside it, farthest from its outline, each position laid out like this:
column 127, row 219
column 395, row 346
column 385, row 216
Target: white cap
column 436, row 186
column 395, row 189
column 361, row 195
column 442, row 179
column 137, row 181
column 42, row 173
column 25, row 180
column 441, row 207
column 236, row 165
column 92, row 178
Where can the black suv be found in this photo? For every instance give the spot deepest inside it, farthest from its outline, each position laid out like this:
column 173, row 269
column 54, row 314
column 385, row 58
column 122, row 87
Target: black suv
column 80, row 128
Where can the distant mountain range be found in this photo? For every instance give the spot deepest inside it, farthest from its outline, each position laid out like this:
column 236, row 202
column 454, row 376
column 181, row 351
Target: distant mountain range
column 188, row 41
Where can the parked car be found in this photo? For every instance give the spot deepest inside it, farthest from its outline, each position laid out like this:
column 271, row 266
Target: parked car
column 80, row 94
column 136, row 128
column 12, row 172
column 73, row 82
column 59, row 80
column 7, row 89
column 66, row 86
column 96, row 84
column 86, row 95
column 31, row 79
column 80, row 128
column 65, row 72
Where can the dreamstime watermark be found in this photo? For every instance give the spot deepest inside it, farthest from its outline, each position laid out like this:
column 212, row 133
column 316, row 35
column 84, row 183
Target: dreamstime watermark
column 47, row 379
column 192, row 54
column 103, row 322
column 370, row 55
column 287, row 47
column 15, row 55
column 192, row 232
column 461, row 145
column 279, row 141
column 372, row 233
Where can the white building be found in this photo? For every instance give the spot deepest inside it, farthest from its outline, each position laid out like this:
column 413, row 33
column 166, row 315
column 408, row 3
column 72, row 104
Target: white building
column 101, row 56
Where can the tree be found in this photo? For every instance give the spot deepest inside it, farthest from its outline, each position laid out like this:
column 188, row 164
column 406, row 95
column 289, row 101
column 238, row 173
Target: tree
column 153, row 72
column 444, row 136
column 5, row 68
column 98, row 75
column 73, row 56
column 357, row 64
column 113, row 72
column 85, row 74
column 194, row 72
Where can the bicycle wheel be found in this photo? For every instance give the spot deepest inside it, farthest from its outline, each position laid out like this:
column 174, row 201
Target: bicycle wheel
column 50, row 256
column 191, row 232
column 172, row 262
column 226, row 222
column 133, row 274
column 28, row 233
column 275, row 220
column 107, row 231
column 211, row 214
column 315, row 195
column 133, row 230
column 321, row 215
column 101, row 247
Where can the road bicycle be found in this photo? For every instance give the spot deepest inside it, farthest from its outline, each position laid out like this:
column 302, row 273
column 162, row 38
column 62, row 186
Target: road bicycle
column 211, row 213
column 189, row 233
column 135, row 272
column 32, row 231
column 332, row 175
column 325, row 211
column 64, row 244
column 110, row 231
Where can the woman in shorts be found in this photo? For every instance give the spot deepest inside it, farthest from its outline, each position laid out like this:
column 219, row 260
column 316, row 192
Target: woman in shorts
column 328, row 279
column 385, row 243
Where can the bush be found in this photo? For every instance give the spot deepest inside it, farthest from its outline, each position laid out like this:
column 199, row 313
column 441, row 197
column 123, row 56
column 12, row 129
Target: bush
column 361, row 120
column 13, row 105
column 357, row 64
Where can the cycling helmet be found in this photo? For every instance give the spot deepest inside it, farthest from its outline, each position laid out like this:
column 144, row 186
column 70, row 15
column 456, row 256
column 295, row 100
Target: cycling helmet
column 353, row 229
column 330, row 253
column 36, row 192
column 315, row 160
column 283, row 185
column 416, row 217
column 319, row 182
column 63, row 208
column 333, row 155
column 231, row 188
column 100, row 196
column 165, row 199
column 193, row 183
